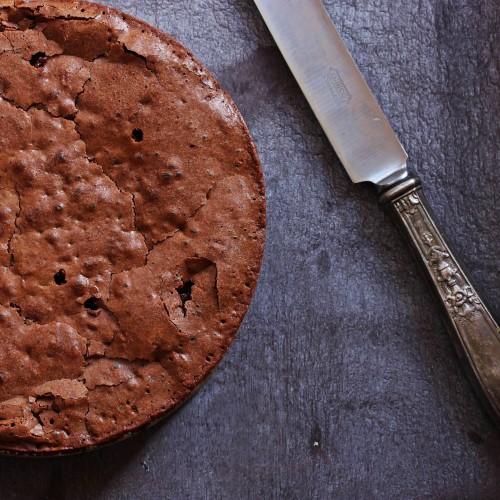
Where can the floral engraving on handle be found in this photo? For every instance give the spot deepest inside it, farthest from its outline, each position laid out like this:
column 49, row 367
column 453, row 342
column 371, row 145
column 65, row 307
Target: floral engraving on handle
column 460, row 297
column 408, row 203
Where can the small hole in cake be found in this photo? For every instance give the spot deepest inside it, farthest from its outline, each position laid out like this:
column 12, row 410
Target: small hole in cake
column 60, row 277
column 223, row 321
column 92, row 304
column 137, row 135
column 184, row 292
column 39, row 59
column 16, row 307
column 147, row 391
column 51, row 421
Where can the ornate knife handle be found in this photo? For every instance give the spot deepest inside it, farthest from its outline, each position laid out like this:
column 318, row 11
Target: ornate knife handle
column 473, row 330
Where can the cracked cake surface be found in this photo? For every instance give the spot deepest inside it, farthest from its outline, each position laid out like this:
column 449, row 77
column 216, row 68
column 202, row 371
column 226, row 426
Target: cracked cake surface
column 132, row 223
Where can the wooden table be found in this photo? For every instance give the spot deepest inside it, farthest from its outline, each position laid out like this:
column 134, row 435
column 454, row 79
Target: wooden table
column 343, row 383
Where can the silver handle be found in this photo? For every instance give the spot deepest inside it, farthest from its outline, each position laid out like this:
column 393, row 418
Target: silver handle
column 473, row 329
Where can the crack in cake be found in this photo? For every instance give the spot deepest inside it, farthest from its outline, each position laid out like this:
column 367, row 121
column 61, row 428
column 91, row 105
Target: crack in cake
column 132, row 221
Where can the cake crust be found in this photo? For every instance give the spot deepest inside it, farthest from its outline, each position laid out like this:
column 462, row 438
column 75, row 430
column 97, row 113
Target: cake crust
column 132, row 224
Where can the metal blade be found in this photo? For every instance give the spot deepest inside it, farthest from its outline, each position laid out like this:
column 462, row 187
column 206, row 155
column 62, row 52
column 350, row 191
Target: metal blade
column 338, row 94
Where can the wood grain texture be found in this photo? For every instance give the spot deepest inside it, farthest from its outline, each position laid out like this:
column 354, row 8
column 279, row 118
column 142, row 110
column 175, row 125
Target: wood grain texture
column 343, row 383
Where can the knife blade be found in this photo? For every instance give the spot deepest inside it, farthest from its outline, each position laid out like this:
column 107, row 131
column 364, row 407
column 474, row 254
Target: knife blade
column 370, row 152
column 335, row 89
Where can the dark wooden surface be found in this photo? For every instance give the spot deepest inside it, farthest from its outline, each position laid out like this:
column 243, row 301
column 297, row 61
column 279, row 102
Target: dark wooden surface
column 342, row 383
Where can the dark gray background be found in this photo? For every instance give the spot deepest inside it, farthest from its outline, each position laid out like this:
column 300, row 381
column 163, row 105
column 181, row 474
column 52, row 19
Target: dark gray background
column 342, row 383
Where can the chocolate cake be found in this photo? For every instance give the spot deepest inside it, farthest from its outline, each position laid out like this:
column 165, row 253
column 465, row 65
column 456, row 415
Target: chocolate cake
column 132, row 223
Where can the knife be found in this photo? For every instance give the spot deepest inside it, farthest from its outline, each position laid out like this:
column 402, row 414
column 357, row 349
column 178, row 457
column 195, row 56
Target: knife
column 370, row 152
